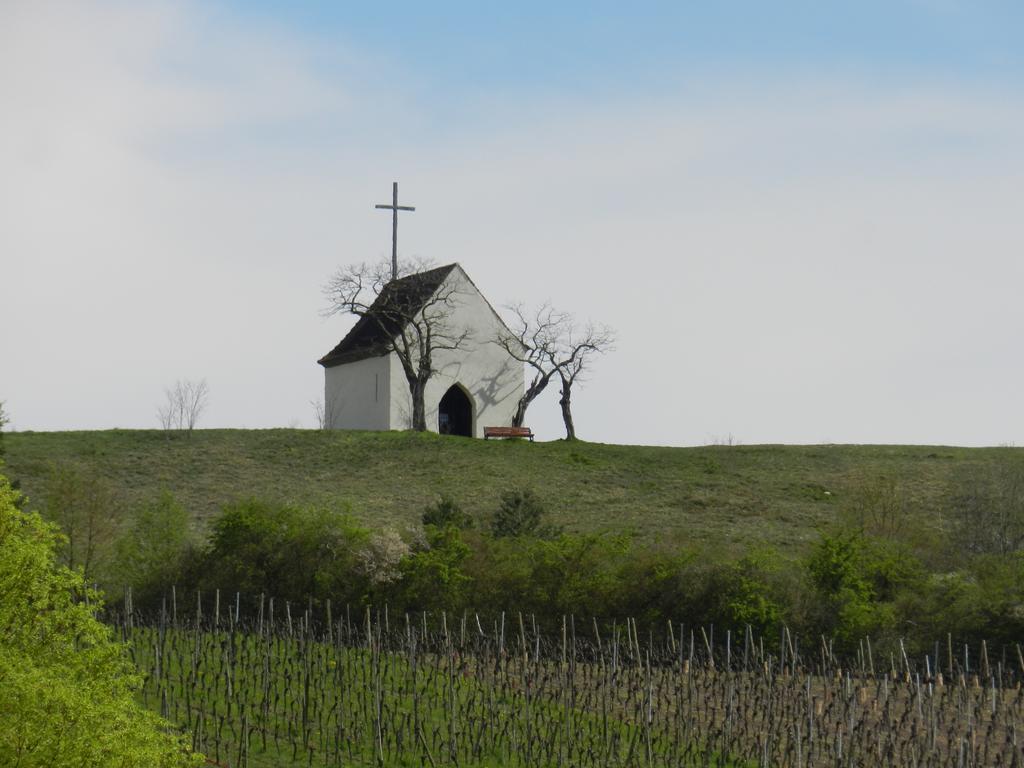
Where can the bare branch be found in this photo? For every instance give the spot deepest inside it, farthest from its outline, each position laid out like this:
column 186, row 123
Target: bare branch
column 574, row 355
column 550, row 342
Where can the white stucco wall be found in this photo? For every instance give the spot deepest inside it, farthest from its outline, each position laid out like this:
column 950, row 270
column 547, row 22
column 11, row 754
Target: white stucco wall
column 400, row 404
column 357, row 395
column 493, row 380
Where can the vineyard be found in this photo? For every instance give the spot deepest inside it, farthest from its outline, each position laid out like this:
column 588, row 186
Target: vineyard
column 282, row 686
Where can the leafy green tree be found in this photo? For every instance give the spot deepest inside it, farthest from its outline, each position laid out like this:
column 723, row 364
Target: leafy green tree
column 66, row 687
column 3, row 423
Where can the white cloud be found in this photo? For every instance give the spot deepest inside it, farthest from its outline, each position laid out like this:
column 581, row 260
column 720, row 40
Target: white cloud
column 784, row 261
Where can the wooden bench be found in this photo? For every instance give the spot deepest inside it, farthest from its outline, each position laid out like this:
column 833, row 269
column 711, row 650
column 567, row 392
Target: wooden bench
column 490, row 432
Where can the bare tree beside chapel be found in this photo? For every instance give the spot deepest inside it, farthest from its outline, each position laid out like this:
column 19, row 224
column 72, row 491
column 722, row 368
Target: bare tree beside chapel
column 554, row 347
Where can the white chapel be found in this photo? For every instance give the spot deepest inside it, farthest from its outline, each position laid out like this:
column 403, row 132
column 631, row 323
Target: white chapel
column 475, row 385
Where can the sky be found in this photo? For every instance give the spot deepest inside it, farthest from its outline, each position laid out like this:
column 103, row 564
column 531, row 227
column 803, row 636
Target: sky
column 803, row 219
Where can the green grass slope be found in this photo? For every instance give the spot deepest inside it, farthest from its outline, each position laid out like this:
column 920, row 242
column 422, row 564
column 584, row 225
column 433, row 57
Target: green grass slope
column 732, row 495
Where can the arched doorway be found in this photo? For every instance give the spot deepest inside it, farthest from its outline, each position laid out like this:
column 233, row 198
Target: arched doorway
column 455, row 413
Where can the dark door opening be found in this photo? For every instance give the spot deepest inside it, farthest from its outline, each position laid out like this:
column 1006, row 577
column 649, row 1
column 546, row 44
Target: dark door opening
column 455, row 413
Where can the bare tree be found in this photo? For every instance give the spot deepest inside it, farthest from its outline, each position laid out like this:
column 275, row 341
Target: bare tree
column 881, row 506
column 551, row 343
column 166, row 413
column 319, row 413
column 988, row 507
column 411, row 316
column 184, row 404
column 84, row 508
column 325, row 411
column 195, row 400
column 573, row 361
column 535, row 340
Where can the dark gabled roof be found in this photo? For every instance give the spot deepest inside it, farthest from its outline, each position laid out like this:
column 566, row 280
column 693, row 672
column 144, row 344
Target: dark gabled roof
column 399, row 300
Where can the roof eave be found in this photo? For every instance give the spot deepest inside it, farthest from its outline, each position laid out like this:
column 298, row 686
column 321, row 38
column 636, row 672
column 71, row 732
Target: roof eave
column 354, row 356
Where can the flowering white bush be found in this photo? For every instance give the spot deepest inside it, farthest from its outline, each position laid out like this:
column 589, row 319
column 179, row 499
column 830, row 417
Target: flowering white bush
column 380, row 558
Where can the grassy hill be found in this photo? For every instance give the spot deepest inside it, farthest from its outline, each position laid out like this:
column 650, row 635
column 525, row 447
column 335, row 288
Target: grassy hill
column 733, row 495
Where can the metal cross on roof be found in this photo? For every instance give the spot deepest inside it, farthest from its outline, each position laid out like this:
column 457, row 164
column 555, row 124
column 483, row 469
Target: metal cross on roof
column 394, row 208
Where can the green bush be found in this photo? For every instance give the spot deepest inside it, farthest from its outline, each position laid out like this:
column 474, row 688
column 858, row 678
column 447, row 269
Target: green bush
column 446, row 512
column 155, row 550
column 574, row 574
column 999, row 601
column 66, row 688
column 859, row 580
column 749, row 594
column 946, row 603
column 876, row 576
column 520, row 513
column 290, row 552
column 433, row 578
